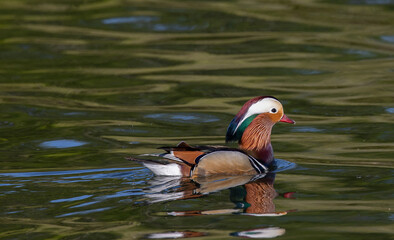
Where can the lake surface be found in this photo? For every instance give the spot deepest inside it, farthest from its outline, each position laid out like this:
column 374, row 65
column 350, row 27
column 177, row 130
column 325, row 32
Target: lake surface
column 84, row 84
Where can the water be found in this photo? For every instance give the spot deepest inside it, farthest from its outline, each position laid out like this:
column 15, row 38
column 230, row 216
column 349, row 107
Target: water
column 84, row 84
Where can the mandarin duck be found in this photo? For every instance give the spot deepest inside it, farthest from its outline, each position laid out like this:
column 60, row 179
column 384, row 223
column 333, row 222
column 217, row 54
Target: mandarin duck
column 251, row 127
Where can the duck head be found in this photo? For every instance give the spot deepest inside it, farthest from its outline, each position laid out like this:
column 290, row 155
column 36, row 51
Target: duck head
column 251, row 127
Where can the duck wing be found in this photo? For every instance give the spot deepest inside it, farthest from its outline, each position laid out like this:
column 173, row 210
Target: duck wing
column 185, row 160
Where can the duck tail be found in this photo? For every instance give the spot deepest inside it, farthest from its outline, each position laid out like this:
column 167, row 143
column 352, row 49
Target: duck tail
column 163, row 167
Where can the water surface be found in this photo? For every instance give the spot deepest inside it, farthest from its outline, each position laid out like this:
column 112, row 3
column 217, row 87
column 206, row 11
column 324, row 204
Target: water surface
column 85, row 84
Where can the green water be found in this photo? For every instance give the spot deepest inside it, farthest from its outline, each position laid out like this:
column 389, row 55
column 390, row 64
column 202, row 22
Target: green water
column 84, row 84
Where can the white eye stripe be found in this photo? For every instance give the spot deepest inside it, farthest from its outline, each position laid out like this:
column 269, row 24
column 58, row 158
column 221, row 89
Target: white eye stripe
column 262, row 106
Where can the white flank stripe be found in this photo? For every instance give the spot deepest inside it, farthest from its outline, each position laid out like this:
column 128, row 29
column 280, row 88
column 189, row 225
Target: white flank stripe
column 254, row 166
column 261, row 165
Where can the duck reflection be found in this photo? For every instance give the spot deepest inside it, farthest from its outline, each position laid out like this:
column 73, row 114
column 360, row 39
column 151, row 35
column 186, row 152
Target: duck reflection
column 256, row 197
column 252, row 195
column 269, row 232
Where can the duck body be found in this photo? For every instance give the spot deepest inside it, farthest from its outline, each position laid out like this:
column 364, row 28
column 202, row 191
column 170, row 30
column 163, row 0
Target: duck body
column 251, row 127
column 185, row 160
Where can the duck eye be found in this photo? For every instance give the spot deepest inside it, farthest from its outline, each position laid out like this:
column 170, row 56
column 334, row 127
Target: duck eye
column 273, row 110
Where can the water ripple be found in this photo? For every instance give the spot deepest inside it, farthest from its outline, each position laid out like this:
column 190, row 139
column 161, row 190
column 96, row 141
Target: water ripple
column 59, row 173
column 71, row 199
column 183, row 117
column 84, row 212
column 62, row 143
column 133, row 19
